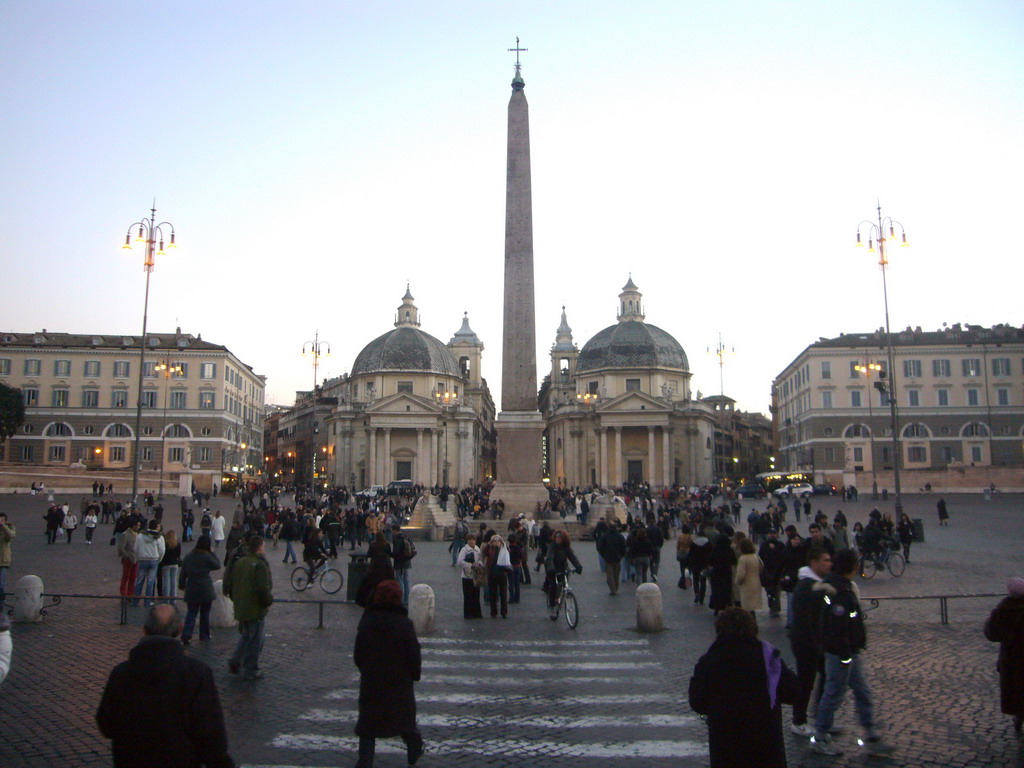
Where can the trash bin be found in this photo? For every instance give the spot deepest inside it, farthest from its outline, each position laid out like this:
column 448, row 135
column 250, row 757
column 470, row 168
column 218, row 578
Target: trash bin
column 357, row 569
column 987, row 494
column 885, row 494
column 918, row 530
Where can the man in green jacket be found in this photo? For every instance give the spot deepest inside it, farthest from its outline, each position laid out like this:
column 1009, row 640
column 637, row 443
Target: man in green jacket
column 249, row 586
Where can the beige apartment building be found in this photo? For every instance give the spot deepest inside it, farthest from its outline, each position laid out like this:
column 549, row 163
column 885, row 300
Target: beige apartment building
column 959, row 396
column 202, row 407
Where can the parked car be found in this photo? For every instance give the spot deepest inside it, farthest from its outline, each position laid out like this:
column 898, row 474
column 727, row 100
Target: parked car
column 750, row 492
column 372, row 492
column 397, row 487
column 795, row 489
column 825, row 489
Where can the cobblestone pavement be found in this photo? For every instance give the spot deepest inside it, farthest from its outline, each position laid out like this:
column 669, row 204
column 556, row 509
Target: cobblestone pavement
column 526, row 690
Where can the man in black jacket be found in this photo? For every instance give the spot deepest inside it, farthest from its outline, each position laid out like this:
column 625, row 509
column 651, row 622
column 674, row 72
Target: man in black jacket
column 805, row 633
column 612, row 548
column 161, row 707
column 843, row 639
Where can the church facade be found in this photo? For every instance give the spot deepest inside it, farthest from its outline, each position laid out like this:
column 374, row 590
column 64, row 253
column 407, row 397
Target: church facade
column 620, row 410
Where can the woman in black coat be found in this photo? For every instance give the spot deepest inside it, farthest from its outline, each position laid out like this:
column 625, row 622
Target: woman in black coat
column 740, row 685
column 722, row 560
column 1006, row 626
column 388, row 656
column 194, row 578
column 380, row 570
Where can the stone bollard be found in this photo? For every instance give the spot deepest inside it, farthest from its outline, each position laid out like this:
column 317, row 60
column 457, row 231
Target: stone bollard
column 649, row 614
column 28, row 599
column 421, row 608
column 222, row 613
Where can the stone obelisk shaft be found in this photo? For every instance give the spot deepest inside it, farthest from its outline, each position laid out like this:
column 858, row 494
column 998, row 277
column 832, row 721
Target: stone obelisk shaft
column 519, row 425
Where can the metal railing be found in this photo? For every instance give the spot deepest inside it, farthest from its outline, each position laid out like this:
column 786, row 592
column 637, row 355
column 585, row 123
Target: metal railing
column 57, row 599
column 874, row 602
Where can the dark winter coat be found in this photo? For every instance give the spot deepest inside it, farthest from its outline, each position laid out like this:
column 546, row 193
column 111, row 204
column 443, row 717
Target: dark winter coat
column 194, row 576
column 161, row 709
column 730, row 687
column 842, row 621
column 388, row 656
column 1006, row 626
column 613, row 546
column 722, row 560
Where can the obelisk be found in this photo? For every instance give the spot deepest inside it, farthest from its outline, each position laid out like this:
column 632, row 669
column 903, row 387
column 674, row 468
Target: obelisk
column 519, row 425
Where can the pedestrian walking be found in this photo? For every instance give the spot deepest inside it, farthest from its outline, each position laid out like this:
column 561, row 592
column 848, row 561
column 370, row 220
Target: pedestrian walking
column 721, row 561
column 613, row 550
column 905, row 532
column 498, row 563
column 749, row 589
column 844, row 640
column 250, row 587
column 740, row 685
column 805, row 636
column 90, row 521
column 402, row 553
column 380, row 570
column 194, row 579
column 149, row 551
column 387, row 654
column 469, row 560
column 1005, row 625
column 169, row 564
column 129, row 559
column 217, row 525
column 160, row 708
column 943, row 512
column 7, row 533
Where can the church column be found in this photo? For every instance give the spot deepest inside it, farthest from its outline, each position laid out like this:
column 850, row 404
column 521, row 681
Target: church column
column 435, row 457
column 371, row 458
column 418, row 474
column 345, row 466
column 386, row 471
column 617, row 458
column 652, row 476
column 667, row 461
column 602, row 459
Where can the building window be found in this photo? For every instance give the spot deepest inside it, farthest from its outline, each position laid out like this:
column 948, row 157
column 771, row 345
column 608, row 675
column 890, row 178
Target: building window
column 943, row 396
column 147, row 430
column 25, row 454
column 119, row 430
column 117, row 453
column 858, row 454
column 31, row 397
column 592, row 387
column 149, row 369
column 941, row 369
column 203, row 454
column 149, row 398
column 883, row 398
column 5, row 366
column 917, row 454
column 33, row 367
column 88, row 429
column 60, row 429
column 854, row 373
column 206, row 399
column 206, row 431
column 913, row 397
column 176, row 455
column 855, row 398
column 944, row 430
column 830, row 455
column 60, row 398
column 92, row 369
column 886, row 455
column 177, row 430
column 180, row 369
column 1000, row 366
column 975, row 430
column 121, row 369
column 90, row 398
column 57, row 452
column 971, row 366
column 146, row 453
column 1002, row 396
column 405, row 386
column 632, row 385
column 912, row 369
column 178, row 399
column 914, row 430
column 207, row 370
column 28, row 429
column 826, row 399
column 826, row 369
column 828, row 432
column 857, row 430
column 947, row 454
column 972, row 396
column 975, row 454
column 119, row 398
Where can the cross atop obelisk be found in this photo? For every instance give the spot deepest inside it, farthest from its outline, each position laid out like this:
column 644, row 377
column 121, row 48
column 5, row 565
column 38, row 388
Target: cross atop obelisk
column 518, row 50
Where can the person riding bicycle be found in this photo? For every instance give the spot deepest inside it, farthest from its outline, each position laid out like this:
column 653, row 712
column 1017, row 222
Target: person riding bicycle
column 873, row 540
column 314, row 553
column 556, row 561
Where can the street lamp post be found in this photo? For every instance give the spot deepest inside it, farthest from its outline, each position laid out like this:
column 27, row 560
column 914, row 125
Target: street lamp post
column 150, row 233
column 879, row 231
column 868, row 369
column 314, row 348
column 167, row 370
column 449, row 404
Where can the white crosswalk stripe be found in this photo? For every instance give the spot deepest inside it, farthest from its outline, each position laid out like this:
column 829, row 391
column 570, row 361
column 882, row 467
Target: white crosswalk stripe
column 556, row 721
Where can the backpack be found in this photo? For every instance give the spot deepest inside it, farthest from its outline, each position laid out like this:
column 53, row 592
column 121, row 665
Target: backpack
column 408, row 548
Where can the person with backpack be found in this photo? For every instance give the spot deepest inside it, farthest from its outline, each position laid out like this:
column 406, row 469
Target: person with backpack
column 402, row 553
column 459, row 539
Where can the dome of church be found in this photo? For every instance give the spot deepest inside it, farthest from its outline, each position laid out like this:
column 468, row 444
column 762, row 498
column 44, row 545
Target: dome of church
column 632, row 345
column 406, row 349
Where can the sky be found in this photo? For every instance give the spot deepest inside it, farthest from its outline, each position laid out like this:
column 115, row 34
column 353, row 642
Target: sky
column 313, row 157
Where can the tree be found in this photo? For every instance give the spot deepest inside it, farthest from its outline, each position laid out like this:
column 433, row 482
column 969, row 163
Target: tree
column 12, row 411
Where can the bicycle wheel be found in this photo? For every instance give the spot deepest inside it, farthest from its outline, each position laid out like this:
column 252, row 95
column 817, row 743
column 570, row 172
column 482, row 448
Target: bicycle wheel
column 331, row 581
column 300, row 579
column 572, row 611
column 897, row 564
column 868, row 567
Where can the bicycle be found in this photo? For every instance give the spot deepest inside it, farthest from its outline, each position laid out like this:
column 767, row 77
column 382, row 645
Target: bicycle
column 564, row 594
column 888, row 558
column 331, row 579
